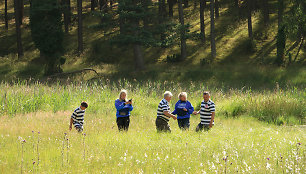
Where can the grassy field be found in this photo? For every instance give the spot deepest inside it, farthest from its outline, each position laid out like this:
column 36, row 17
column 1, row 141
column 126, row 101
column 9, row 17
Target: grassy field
column 242, row 139
column 260, row 116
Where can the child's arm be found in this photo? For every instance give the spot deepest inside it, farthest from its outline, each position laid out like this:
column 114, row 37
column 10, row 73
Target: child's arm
column 212, row 110
column 71, row 121
column 118, row 105
column 167, row 113
column 212, row 119
column 175, row 110
column 190, row 109
column 196, row 112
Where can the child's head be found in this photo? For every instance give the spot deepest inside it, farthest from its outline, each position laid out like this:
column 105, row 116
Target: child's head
column 206, row 95
column 123, row 95
column 182, row 96
column 84, row 105
column 168, row 95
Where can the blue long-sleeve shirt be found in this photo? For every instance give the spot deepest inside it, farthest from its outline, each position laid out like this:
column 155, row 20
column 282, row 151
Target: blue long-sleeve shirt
column 179, row 106
column 123, row 110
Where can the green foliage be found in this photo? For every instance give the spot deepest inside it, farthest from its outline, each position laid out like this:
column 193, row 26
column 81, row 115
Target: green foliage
column 280, row 44
column 295, row 20
column 47, row 33
column 131, row 13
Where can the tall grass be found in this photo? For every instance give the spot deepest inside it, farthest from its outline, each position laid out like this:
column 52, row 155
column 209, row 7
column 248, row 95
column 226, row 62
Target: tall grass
column 280, row 106
column 250, row 146
column 242, row 145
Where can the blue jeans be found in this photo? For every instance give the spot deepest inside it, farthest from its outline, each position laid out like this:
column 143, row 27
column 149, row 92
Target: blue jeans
column 183, row 123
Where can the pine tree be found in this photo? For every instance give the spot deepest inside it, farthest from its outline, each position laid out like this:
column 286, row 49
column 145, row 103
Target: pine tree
column 202, row 24
column 132, row 33
column 47, row 33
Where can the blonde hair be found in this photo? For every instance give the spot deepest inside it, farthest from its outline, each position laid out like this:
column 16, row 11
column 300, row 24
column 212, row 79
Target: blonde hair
column 122, row 91
column 206, row 93
column 182, row 94
column 167, row 93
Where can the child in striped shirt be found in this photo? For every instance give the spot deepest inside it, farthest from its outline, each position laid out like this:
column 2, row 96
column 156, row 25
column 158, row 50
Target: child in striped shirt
column 77, row 117
column 207, row 113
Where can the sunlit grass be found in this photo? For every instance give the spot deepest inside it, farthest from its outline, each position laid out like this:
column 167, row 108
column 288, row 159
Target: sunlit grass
column 233, row 145
column 237, row 143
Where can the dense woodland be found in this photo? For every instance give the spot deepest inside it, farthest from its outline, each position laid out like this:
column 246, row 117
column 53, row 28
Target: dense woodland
column 143, row 26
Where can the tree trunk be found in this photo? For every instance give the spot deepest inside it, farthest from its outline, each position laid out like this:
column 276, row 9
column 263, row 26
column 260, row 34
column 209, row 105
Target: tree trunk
column 250, row 28
column 183, row 37
column 202, row 24
column 265, row 4
column 69, row 12
column 80, row 26
column 162, row 15
column 18, row 29
column 185, row 3
column 66, row 11
column 212, row 31
column 299, row 49
column 21, row 12
column 145, row 19
column 93, row 5
column 5, row 15
column 280, row 12
column 162, row 9
column 281, row 37
column 217, row 9
column 170, row 3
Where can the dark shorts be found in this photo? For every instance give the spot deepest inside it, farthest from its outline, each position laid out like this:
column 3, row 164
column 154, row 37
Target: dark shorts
column 202, row 127
column 183, row 123
column 79, row 128
column 123, row 123
column 162, row 125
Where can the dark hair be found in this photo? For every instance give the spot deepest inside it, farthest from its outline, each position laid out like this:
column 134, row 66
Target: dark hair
column 84, row 104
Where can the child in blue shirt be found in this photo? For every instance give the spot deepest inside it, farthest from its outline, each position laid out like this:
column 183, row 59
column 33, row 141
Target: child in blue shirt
column 124, row 108
column 183, row 109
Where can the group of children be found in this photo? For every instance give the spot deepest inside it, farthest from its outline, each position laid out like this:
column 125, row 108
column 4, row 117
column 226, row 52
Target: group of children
column 183, row 110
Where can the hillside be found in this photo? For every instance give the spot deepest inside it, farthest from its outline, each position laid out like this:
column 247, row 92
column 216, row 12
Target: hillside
column 236, row 63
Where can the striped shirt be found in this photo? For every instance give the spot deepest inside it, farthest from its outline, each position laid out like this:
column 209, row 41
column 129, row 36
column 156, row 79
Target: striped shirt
column 78, row 117
column 163, row 106
column 206, row 111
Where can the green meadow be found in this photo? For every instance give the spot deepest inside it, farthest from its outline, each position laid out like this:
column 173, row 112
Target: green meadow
column 256, row 131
